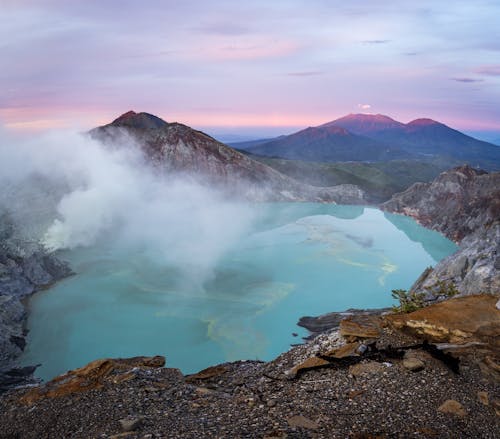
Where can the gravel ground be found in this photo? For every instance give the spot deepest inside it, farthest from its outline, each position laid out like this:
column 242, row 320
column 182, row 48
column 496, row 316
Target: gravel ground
column 250, row 399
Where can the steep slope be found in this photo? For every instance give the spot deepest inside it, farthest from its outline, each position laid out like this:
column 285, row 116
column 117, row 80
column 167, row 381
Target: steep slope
column 457, row 203
column 25, row 267
column 427, row 136
column 328, row 144
column 174, row 147
column 463, row 204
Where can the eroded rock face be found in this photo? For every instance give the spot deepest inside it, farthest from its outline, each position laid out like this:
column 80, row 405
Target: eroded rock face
column 173, row 147
column 23, row 270
column 464, row 205
column 457, row 203
column 473, row 269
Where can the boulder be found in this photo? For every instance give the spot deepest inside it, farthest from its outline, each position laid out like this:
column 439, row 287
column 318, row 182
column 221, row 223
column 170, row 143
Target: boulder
column 360, row 327
column 92, row 376
column 452, row 407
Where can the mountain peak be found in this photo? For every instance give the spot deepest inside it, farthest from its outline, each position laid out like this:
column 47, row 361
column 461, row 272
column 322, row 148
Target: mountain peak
column 365, row 124
column 423, row 122
column 126, row 115
column 368, row 116
column 143, row 121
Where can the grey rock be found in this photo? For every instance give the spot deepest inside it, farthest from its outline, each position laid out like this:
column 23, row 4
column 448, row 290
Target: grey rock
column 413, row 364
column 457, row 203
column 329, row 321
column 464, row 205
column 471, row 269
column 130, row 424
column 24, row 268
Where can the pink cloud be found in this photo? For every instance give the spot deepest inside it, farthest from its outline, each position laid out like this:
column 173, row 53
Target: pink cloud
column 489, row 70
column 251, row 51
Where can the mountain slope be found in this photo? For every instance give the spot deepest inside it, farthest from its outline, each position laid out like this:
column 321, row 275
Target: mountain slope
column 328, row 144
column 379, row 180
column 174, row 147
column 368, row 137
column 425, row 137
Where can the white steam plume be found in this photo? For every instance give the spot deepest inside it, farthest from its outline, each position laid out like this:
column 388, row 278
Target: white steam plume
column 101, row 192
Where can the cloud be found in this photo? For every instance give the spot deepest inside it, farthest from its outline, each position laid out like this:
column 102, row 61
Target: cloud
column 364, row 106
column 376, row 41
column 260, row 50
column 466, row 80
column 70, row 191
column 492, row 70
column 304, row 74
column 222, row 29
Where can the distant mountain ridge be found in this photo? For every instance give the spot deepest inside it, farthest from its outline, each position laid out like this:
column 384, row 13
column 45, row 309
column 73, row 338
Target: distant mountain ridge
column 177, row 148
column 328, row 143
column 368, row 137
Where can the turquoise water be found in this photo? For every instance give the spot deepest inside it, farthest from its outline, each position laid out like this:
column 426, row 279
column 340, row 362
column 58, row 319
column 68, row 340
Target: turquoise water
column 300, row 259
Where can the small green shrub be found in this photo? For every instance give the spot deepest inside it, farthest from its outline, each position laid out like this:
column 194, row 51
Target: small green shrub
column 442, row 288
column 408, row 302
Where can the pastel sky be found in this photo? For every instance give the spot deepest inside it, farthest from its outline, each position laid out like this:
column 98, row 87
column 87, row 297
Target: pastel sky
column 267, row 66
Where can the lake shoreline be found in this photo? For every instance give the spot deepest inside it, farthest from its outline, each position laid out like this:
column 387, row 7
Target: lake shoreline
column 249, row 309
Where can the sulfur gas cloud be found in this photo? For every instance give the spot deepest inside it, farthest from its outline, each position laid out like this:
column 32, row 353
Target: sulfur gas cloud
column 66, row 190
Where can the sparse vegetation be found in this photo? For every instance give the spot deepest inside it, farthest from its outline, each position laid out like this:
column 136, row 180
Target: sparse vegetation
column 443, row 288
column 411, row 301
column 408, row 302
column 380, row 180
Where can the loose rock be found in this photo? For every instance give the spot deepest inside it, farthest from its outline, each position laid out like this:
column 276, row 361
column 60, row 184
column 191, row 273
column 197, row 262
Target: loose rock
column 413, row 364
column 452, row 407
column 483, row 397
column 302, row 422
column 131, row 424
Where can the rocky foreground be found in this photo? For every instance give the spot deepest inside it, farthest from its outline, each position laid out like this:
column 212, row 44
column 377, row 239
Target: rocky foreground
column 433, row 373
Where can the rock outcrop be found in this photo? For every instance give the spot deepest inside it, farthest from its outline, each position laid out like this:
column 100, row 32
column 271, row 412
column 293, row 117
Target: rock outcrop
column 24, row 269
column 457, row 203
column 464, row 205
column 473, row 269
column 177, row 148
column 94, row 375
column 462, row 326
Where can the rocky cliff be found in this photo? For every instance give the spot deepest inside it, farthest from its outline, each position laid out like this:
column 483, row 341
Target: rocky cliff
column 464, row 205
column 174, row 147
column 457, row 203
column 24, row 269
